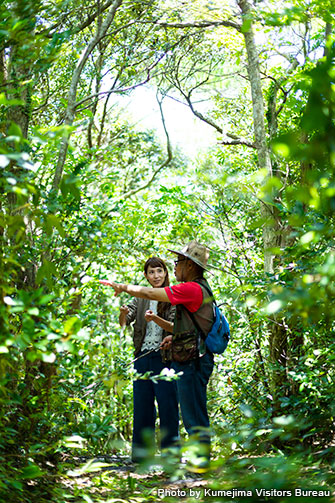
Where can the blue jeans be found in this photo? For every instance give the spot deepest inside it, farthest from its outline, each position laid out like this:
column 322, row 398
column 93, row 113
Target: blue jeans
column 192, row 387
column 144, row 394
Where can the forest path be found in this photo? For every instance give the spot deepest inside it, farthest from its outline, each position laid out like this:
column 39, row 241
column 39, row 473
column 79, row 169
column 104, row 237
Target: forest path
column 117, row 479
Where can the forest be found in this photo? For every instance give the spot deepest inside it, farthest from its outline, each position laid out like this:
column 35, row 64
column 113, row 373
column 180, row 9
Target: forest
column 88, row 191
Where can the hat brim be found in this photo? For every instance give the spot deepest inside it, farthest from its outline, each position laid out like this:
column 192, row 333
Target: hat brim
column 183, row 254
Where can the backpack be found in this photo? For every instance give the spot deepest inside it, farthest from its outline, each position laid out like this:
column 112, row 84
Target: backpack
column 218, row 337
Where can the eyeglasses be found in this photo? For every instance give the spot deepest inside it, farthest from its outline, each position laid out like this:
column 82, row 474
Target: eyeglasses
column 176, row 262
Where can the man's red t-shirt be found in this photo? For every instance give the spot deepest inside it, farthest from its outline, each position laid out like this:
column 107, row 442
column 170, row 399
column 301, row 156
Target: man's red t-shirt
column 188, row 294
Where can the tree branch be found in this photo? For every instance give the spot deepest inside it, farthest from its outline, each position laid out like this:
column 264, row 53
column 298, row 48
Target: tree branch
column 236, row 139
column 101, row 8
column 71, row 105
column 202, row 117
column 124, row 89
column 196, row 24
column 162, row 166
column 238, row 142
column 167, row 161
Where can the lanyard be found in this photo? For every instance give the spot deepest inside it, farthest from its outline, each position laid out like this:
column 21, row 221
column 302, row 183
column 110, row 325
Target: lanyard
column 144, row 354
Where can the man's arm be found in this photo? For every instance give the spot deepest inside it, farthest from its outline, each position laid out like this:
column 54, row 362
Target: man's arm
column 142, row 292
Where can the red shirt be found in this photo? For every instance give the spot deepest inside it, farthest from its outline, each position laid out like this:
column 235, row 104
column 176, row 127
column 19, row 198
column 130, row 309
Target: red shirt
column 188, row 294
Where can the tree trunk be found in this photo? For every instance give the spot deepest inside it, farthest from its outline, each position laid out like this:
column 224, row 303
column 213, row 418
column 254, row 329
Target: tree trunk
column 278, row 335
column 264, row 160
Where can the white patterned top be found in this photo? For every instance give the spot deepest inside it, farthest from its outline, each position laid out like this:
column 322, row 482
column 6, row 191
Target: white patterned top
column 153, row 336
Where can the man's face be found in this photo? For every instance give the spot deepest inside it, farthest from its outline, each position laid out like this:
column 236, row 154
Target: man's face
column 179, row 267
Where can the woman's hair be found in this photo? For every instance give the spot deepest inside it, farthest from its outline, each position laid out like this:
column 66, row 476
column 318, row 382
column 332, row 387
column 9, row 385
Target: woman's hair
column 162, row 307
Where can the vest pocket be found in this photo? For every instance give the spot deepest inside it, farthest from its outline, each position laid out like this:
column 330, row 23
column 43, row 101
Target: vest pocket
column 185, row 347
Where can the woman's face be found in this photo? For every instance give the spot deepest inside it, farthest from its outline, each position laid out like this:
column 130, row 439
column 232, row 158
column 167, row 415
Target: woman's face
column 156, row 276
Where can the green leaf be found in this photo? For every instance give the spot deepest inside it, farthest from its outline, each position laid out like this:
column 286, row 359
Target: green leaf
column 15, row 130
column 48, row 357
column 45, row 299
column 31, row 472
column 72, row 325
column 89, row 467
column 10, row 102
column 33, row 311
column 46, row 271
column 308, row 237
column 247, row 23
column 52, row 221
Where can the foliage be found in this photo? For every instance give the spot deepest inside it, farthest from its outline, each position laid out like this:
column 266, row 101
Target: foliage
column 65, row 366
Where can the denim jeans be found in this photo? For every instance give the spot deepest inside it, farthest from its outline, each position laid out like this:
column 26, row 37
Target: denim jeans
column 144, row 394
column 192, row 387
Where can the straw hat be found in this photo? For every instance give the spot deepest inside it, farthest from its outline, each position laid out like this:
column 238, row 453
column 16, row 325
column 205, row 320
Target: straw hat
column 196, row 252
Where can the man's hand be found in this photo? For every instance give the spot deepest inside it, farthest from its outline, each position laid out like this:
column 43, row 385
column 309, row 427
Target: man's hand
column 117, row 287
column 149, row 315
column 166, row 342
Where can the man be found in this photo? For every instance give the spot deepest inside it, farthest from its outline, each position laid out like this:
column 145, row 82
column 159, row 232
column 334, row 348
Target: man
column 189, row 296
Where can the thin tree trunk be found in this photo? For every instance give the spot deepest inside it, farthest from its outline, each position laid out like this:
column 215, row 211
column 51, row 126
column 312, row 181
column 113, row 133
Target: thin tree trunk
column 17, row 73
column 278, row 335
column 259, row 130
column 328, row 32
column 94, row 108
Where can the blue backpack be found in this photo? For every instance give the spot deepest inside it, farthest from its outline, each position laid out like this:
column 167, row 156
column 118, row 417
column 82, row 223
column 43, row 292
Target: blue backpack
column 218, row 337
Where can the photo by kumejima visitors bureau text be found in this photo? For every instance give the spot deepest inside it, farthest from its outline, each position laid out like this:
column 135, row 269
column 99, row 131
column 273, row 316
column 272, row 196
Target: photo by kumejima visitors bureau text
column 238, row 493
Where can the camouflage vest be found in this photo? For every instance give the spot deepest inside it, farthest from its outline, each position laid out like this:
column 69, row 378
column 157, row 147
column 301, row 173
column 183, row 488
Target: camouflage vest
column 187, row 342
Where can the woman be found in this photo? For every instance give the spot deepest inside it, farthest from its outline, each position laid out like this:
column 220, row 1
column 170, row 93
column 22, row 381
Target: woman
column 153, row 320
